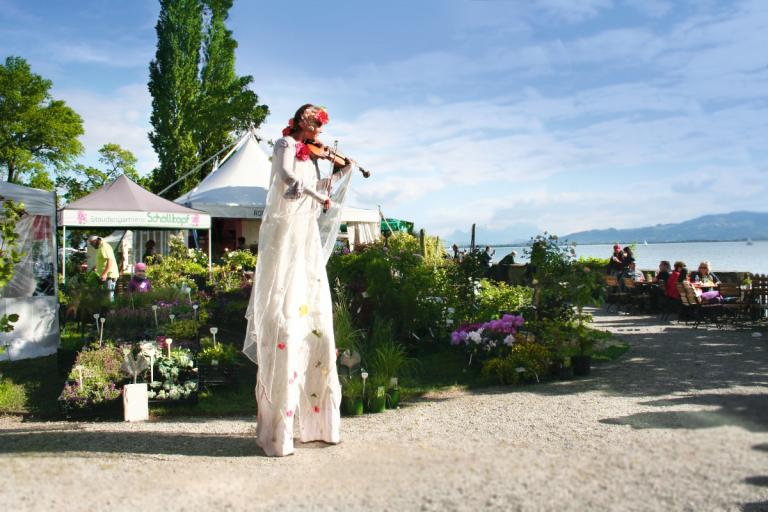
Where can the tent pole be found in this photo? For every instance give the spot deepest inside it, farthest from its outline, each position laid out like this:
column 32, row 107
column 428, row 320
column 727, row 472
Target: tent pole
column 210, row 253
column 64, row 255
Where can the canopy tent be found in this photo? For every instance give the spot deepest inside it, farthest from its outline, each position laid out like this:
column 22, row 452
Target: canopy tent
column 390, row 225
column 32, row 292
column 124, row 204
column 237, row 189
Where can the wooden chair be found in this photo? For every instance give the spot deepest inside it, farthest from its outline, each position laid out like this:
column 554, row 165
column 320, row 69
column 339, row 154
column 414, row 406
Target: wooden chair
column 699, row 311
column 734, row 305
column 759, row 298
column 614, row 297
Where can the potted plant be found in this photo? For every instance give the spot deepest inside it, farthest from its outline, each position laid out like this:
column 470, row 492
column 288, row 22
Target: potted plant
column 582, row 361
column 92, row 389
column 376, row 396
column 352, row 396
column 216, row 363
column 393, row 394
column 389, row 362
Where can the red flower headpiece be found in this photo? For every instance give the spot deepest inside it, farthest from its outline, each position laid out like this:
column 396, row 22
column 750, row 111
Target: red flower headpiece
column 321, row 116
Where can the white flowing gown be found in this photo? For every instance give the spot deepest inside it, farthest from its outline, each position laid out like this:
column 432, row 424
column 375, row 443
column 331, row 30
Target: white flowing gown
column 290, row 319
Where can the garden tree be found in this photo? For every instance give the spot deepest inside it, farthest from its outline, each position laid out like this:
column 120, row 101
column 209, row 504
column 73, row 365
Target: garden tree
column 80, row 180
column 35, row 129
column 197, row 104
column 175, row 86
column 225, row 104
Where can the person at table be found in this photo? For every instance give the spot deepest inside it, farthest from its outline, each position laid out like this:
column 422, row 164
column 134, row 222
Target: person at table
column 632, row 272
column 704, row 277
column 679, row 274
column 615, row 266
column 509, row 259
column 662, row 276
column 627, row 257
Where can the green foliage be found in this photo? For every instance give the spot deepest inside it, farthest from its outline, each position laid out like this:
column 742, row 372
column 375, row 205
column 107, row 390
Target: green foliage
column 242, row 259
column 222, row 352
column 389, row 360
column 351, row 387
column 178, row 380
column 101, row 365
column 346, row 334
column 185, row 330
column 181, row 266
column 80, row 180
column 527, row 361
column 13, row 397
column 496, row 298
column 10, row 256
column 560, row 282
column 594, row 264
column 35, row 129
column 195, row 109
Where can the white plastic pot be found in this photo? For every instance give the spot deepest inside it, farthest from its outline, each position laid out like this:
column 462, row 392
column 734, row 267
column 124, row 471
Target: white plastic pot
column 135, row 402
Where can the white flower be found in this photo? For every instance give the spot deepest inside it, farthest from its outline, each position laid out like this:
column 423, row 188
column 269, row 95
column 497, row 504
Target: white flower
column 509, row 340
column 475, row 336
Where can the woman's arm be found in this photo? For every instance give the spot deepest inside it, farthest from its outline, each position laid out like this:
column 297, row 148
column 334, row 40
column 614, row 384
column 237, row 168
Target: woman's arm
column 285, row 153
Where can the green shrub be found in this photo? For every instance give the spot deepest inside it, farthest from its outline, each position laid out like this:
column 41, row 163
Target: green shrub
column 186, row 330
column 13, row 397
column 222, row 352
column 496, row 298
column 526, row 362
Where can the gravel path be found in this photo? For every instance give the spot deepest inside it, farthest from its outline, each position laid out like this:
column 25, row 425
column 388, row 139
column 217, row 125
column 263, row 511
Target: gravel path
column 679, row 423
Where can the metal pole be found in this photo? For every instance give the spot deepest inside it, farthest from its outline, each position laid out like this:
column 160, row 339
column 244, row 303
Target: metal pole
column 210, row 251
column 64, row 255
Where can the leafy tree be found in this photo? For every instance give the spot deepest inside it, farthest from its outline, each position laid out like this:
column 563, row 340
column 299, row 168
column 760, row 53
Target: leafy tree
column 35, row 129
column 80, row 180
column 225, row 105
column 174, row 85
column 198, row 99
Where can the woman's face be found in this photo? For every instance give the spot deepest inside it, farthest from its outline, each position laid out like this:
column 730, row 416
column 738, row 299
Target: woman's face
column 309, row 133
column 703, row 270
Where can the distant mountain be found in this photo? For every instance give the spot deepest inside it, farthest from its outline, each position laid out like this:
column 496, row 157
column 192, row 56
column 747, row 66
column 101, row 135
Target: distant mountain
column 720, row 227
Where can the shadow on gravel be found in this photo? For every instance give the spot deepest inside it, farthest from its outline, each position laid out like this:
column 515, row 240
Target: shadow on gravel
column 149, row 443
column 761, row 506
column 761, row 481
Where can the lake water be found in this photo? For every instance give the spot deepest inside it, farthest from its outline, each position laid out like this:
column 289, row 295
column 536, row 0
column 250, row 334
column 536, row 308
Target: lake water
column 724, row 256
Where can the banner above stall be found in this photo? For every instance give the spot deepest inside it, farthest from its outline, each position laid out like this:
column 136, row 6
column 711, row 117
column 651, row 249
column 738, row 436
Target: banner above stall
column 124, row 204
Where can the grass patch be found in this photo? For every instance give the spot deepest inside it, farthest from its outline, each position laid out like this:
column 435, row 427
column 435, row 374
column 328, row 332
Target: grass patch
column 30, row 386
column 610, row 352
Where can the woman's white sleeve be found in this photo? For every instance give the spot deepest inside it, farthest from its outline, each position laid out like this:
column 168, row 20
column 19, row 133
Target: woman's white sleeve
column 334, row 177
column 285, row 153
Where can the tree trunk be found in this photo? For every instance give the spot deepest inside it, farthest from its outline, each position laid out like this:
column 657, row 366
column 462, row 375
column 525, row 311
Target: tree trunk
column 11, row 171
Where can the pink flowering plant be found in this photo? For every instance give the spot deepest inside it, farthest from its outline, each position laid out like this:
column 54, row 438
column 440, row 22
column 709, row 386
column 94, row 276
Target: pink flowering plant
column 488, row 339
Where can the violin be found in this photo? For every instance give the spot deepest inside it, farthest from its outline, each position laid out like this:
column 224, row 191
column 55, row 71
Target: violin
column 318, row 150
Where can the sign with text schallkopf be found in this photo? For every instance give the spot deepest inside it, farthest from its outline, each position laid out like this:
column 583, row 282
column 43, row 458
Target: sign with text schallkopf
column 115, row 219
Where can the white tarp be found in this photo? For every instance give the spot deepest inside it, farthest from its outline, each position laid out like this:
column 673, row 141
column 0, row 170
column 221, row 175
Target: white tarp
column 32, row 293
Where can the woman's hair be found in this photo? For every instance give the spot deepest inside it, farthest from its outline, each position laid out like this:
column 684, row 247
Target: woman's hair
column 705, row 264
column 683, row 275
column 628, row 251
column 309, row 115
column 679, row 265
column 665, row 264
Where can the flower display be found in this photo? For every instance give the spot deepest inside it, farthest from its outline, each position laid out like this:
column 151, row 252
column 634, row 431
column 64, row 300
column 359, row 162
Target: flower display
column 321, row 116
column 488, row 337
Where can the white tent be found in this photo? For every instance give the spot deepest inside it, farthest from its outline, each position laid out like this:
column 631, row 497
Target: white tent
column 32, row 293
column 237, row 189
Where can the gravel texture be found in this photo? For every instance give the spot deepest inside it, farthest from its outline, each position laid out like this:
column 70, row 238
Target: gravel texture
column 679, row 423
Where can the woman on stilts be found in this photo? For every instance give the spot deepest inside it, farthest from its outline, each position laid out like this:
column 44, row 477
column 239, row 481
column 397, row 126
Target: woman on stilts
column 290, row 322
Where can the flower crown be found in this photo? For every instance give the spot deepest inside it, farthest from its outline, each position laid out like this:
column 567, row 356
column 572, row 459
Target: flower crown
column 316, row 114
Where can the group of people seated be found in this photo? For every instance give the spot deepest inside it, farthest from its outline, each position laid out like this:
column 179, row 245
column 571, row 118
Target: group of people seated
column 703, row 281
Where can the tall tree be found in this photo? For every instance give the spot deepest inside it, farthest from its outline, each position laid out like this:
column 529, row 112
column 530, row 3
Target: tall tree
column 175, row 86
column 80, row 180
column 225, row 104
column 35, row 129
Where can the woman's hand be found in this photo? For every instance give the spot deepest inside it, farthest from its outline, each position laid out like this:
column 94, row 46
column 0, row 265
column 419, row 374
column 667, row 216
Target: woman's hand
column 327, row 205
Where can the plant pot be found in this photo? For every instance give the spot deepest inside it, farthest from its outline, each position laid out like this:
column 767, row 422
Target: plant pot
column 352, row 406
column 211, row 375
column 393, row 398
column 559, row 370
column 135, row 402
column 111, row 410
column 377, row 403
column 581, row 365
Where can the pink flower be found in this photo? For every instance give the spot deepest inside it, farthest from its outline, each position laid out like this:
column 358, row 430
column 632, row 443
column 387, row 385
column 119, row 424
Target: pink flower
column 289, row 413
column 322, row 116
column 302, row 151
column 316, row 409
column 281, row 346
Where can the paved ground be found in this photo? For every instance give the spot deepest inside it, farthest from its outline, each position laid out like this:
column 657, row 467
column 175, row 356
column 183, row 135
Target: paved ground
column 679, row 423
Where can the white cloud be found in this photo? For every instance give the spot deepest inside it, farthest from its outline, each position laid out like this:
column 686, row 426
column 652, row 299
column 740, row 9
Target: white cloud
column 573, row 11
column 121, row 117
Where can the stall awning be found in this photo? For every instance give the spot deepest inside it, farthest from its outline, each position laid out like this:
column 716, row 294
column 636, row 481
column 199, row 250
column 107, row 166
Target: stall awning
column 125, row 204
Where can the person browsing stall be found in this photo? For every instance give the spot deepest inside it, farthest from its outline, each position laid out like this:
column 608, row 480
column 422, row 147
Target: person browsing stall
column 106, row 264
column 139, row 282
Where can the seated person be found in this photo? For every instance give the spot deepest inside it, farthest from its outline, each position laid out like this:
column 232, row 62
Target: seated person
column 139, row 282
column 674, row 278
column 614, row 264
column 632, row 272
column 664, row 271
column 705, row 277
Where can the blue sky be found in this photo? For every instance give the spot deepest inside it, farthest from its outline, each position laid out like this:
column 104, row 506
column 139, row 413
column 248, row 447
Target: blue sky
column 561, row 115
